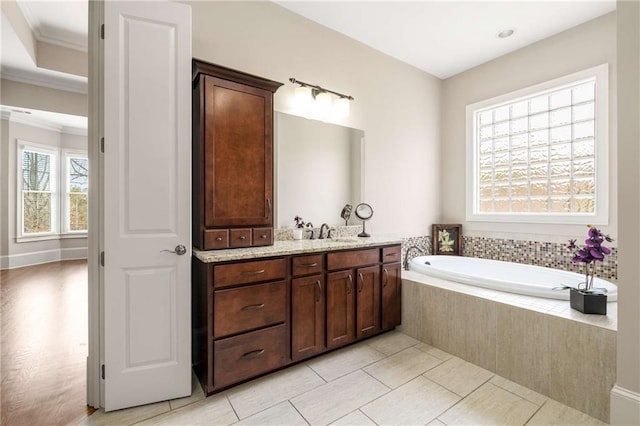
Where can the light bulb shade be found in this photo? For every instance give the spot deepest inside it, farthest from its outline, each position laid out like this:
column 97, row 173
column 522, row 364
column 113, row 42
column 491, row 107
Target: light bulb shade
column 341, row 107
column 323, row 104
column 302, row 98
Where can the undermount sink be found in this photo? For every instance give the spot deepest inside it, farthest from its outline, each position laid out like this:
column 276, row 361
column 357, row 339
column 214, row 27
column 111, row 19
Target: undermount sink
column 343, row 240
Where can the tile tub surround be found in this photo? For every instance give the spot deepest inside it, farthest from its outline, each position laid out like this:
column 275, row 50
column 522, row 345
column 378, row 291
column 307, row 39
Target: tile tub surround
column 538, row 343
column 422, row 385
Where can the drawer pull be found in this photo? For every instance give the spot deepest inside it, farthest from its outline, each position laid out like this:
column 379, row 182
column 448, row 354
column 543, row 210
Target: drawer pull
column 253, row 354
column 242, row 237
column 386, row 277
column 361, row 282
column 391, row 254
column 349, row 284
column 218, row 238
column 309, row 265
column 253, row 307
column 263, row 236
column 261, row 271
column 319, row 291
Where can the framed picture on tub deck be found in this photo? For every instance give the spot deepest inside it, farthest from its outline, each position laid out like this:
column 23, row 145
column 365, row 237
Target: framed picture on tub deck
column 447, row 239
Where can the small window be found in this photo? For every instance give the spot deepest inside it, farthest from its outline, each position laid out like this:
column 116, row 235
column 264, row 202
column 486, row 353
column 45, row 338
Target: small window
column 541, row 154
column 38, row 174
column 76, row 197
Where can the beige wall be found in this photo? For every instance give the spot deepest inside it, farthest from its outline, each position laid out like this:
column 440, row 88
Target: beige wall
column 395, row 104
column 576, row 49
column 12, row 131
column 625, row 410
column 42, row 98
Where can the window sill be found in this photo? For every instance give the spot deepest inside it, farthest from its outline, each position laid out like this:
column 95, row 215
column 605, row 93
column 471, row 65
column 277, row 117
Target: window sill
column 47, row 237
column 573, row 219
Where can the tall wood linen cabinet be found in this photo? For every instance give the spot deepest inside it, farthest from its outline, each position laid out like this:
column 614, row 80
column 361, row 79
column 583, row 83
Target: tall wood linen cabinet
column 232, row 158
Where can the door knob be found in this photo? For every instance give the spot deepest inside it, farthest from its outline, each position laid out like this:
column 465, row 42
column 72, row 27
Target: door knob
column 179, row 250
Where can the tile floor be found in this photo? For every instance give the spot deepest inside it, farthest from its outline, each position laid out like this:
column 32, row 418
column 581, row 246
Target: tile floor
column 390, row 379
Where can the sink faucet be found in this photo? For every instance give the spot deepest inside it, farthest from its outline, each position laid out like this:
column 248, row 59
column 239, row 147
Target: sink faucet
column 310, row 225
column 405, row 263
column 322, row 228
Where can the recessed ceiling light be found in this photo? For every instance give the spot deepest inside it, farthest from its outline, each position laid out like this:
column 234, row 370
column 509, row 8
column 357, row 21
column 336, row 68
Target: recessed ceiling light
column 506, row 33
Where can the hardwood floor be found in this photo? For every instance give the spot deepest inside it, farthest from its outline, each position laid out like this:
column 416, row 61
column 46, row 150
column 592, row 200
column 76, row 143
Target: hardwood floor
column 44, row 344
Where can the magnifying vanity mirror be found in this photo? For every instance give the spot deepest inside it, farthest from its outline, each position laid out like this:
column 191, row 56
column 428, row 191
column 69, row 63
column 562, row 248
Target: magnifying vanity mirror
column 364, row 212
column 319, row 169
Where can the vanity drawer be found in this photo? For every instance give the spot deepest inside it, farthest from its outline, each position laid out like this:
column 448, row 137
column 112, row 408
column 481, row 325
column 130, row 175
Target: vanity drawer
column 352, row 259
column 247, row 308
column 249, row 272
column 391, row 254
column 262, row 237
column 216, row 239
column 238, row 358
column 239, row 238
column 305, row 265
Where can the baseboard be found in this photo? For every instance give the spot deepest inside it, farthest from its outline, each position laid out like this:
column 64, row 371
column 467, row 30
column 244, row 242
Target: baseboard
column 625, row 407
column 39, row 257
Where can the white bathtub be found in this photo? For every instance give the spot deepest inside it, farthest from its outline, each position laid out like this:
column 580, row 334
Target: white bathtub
column 506, row 276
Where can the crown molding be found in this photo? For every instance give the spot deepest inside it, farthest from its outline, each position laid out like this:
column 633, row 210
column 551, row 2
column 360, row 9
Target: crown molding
column 35, row 25
column 35, row 122
column 74, row 131
column 29, row 77
column 62, row 43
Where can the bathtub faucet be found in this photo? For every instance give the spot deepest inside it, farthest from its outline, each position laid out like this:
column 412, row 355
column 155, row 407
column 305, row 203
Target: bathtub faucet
column 406, row 256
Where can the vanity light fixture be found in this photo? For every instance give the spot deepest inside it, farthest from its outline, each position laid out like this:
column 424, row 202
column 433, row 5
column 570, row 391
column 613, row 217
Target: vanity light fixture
column 320, row 100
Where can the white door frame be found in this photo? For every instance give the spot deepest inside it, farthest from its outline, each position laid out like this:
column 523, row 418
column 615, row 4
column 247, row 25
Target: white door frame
column 96, row 17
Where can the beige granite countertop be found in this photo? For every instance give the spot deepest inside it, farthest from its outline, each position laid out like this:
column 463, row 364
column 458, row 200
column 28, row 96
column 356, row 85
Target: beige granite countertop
column 285, row 247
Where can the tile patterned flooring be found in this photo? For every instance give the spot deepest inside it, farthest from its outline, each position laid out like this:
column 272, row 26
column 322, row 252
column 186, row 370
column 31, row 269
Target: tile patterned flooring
column 391, row 379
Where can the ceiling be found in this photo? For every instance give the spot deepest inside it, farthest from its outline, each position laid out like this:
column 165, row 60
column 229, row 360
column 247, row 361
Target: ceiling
column 442, row 38
column 447, row 37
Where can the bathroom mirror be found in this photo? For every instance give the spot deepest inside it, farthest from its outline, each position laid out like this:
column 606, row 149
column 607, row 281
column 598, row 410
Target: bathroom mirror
column 319, row 169
column 364, row 213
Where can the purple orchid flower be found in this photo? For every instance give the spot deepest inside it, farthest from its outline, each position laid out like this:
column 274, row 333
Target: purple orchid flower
column 591, row 252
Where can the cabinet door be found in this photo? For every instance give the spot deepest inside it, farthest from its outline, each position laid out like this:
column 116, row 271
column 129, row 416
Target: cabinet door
column 391, row 296
column 368, row 301
column 307, row 316
column 340, row 308
column 238, row 151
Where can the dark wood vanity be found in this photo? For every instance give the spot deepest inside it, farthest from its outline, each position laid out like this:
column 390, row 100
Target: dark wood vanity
column 253, row 313
column 251, row 317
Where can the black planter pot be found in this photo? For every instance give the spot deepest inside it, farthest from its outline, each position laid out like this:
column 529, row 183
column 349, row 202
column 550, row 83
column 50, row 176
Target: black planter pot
column 588, row 303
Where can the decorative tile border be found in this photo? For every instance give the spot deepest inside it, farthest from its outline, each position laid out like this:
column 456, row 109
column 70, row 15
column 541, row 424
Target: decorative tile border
column 539, row 253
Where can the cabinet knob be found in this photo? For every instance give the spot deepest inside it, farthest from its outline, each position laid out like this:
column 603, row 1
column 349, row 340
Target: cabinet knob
column 242, row 237
column 218, row 238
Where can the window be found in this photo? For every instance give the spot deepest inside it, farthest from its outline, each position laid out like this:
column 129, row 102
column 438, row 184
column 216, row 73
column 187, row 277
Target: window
column 52, row 191
column 38, row 177
column 541, row 154
column 77, row 186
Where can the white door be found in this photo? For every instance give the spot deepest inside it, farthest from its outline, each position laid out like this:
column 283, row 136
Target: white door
column 147, row 202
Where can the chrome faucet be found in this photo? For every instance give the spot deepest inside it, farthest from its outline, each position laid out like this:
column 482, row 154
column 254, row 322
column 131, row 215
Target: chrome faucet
column 310, row 225
column 322, row 228
column 405, row 263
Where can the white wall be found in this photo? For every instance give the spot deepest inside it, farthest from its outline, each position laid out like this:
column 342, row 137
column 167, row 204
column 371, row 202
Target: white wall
column 576, row 49
column 14, row 254
column 625, row 398
column 396, row 105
